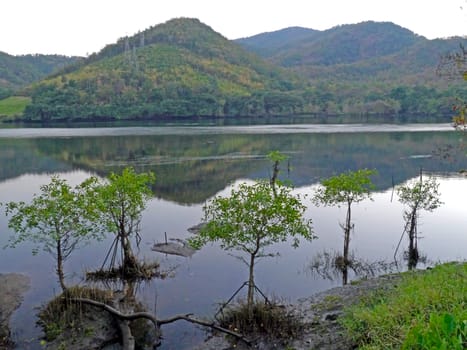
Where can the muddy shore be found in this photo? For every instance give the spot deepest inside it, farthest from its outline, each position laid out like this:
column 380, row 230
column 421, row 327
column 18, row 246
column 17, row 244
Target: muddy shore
column 320, row 314
column 12, row 288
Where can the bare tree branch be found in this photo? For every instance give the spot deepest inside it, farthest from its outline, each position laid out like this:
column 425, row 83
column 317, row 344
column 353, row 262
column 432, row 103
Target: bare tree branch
column 157, row 323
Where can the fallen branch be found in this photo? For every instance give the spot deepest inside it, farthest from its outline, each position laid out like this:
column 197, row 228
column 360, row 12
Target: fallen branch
column 157, row 323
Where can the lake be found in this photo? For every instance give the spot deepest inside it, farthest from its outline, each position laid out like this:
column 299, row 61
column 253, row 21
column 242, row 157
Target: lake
column 194, row 163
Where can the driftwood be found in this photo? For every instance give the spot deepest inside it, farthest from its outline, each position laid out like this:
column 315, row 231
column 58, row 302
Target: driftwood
column 157, row 323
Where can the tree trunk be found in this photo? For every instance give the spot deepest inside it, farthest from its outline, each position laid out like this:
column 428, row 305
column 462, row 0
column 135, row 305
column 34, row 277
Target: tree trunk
column 413, row 252
column 346, row 245
column 60, row 273
column 275, row 173
column 251, row 284
column 129, row 259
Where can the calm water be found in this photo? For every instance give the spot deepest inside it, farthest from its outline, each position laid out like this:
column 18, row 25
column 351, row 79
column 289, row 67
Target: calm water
column 192, row 164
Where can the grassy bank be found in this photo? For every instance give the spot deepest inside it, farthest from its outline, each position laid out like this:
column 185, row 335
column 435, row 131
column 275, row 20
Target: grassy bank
column 426, row 310
column 13, row 106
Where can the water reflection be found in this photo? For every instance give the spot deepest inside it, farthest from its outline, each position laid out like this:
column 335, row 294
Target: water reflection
column 193, row 164
column 192, row 168
column 330, row 265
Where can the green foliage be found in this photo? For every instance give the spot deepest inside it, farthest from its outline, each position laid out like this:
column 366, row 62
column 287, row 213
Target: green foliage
column 57, row 220
column 425, row 311
column 121, row 200
column 420, row 194
column 346, row 188
column 13, row 106
column 252, row 218
column 276, row 156
column 59, row 213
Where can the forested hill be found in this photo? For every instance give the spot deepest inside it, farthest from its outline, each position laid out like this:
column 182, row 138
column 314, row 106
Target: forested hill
column 342, row 44
column 19, row 71
column 369, row 67
column 179, row 68
column 363, row 51
column 183, row 68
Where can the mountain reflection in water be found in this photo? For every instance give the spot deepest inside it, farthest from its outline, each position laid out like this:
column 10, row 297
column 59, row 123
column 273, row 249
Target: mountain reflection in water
column 192, row 164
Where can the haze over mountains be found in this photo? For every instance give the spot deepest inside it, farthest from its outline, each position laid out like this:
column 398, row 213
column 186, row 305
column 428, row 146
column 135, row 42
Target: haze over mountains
column 184, row 68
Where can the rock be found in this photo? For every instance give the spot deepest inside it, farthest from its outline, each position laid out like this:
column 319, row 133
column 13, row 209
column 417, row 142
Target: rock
column 195, row 229
column 176, row 247
column 12, row 288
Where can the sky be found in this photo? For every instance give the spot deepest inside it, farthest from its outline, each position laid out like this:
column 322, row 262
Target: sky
column 82, row 27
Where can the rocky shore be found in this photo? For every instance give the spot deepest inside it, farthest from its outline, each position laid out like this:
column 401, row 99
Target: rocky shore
column 320, row 314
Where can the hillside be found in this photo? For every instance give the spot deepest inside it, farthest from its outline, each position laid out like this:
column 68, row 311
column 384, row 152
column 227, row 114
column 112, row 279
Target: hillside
column 18, row 71
column 369, row 67
column 339, row 45
column 179, row 68
column 267, row 44
column 183, row 68
column 363, row 51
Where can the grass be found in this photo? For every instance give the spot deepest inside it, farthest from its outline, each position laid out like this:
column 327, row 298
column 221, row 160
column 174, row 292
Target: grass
column 61, row 313
column 13, row 106
column 427, row 310
column 67, row 323
column 266, row 319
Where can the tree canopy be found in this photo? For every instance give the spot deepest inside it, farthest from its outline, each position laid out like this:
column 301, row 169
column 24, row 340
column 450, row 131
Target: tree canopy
column 253, row 218
column 57, row 220
column 120, row 201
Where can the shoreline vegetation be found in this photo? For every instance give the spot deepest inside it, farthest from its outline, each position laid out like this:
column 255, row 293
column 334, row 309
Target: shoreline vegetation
column 420, row 309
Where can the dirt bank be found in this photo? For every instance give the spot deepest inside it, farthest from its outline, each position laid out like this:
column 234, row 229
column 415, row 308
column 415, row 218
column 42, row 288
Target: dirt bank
column 320, row 313
column 12, row 288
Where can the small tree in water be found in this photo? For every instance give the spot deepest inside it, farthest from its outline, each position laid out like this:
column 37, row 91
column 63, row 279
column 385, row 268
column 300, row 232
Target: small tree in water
column 120, row 201
column 346, row 188
column 417, row 195
column 251, row 219
column 56, row 220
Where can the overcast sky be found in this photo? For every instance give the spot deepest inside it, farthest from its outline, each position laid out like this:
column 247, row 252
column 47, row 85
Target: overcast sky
column 81, row 27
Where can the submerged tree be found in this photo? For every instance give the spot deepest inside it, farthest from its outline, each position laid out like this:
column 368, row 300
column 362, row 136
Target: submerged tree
column 254, row 217
column 345, row 189
column 417, row 195
column 276, row 158
column 120, row 201
column 57, row 220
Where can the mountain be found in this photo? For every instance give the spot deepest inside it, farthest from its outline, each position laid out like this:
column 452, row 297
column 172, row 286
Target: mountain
column 342, row 44
column 369, row 67
column 179, row 68
column 183, row 68
column 352, row 51
column 18, row 71
column 266, row 44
